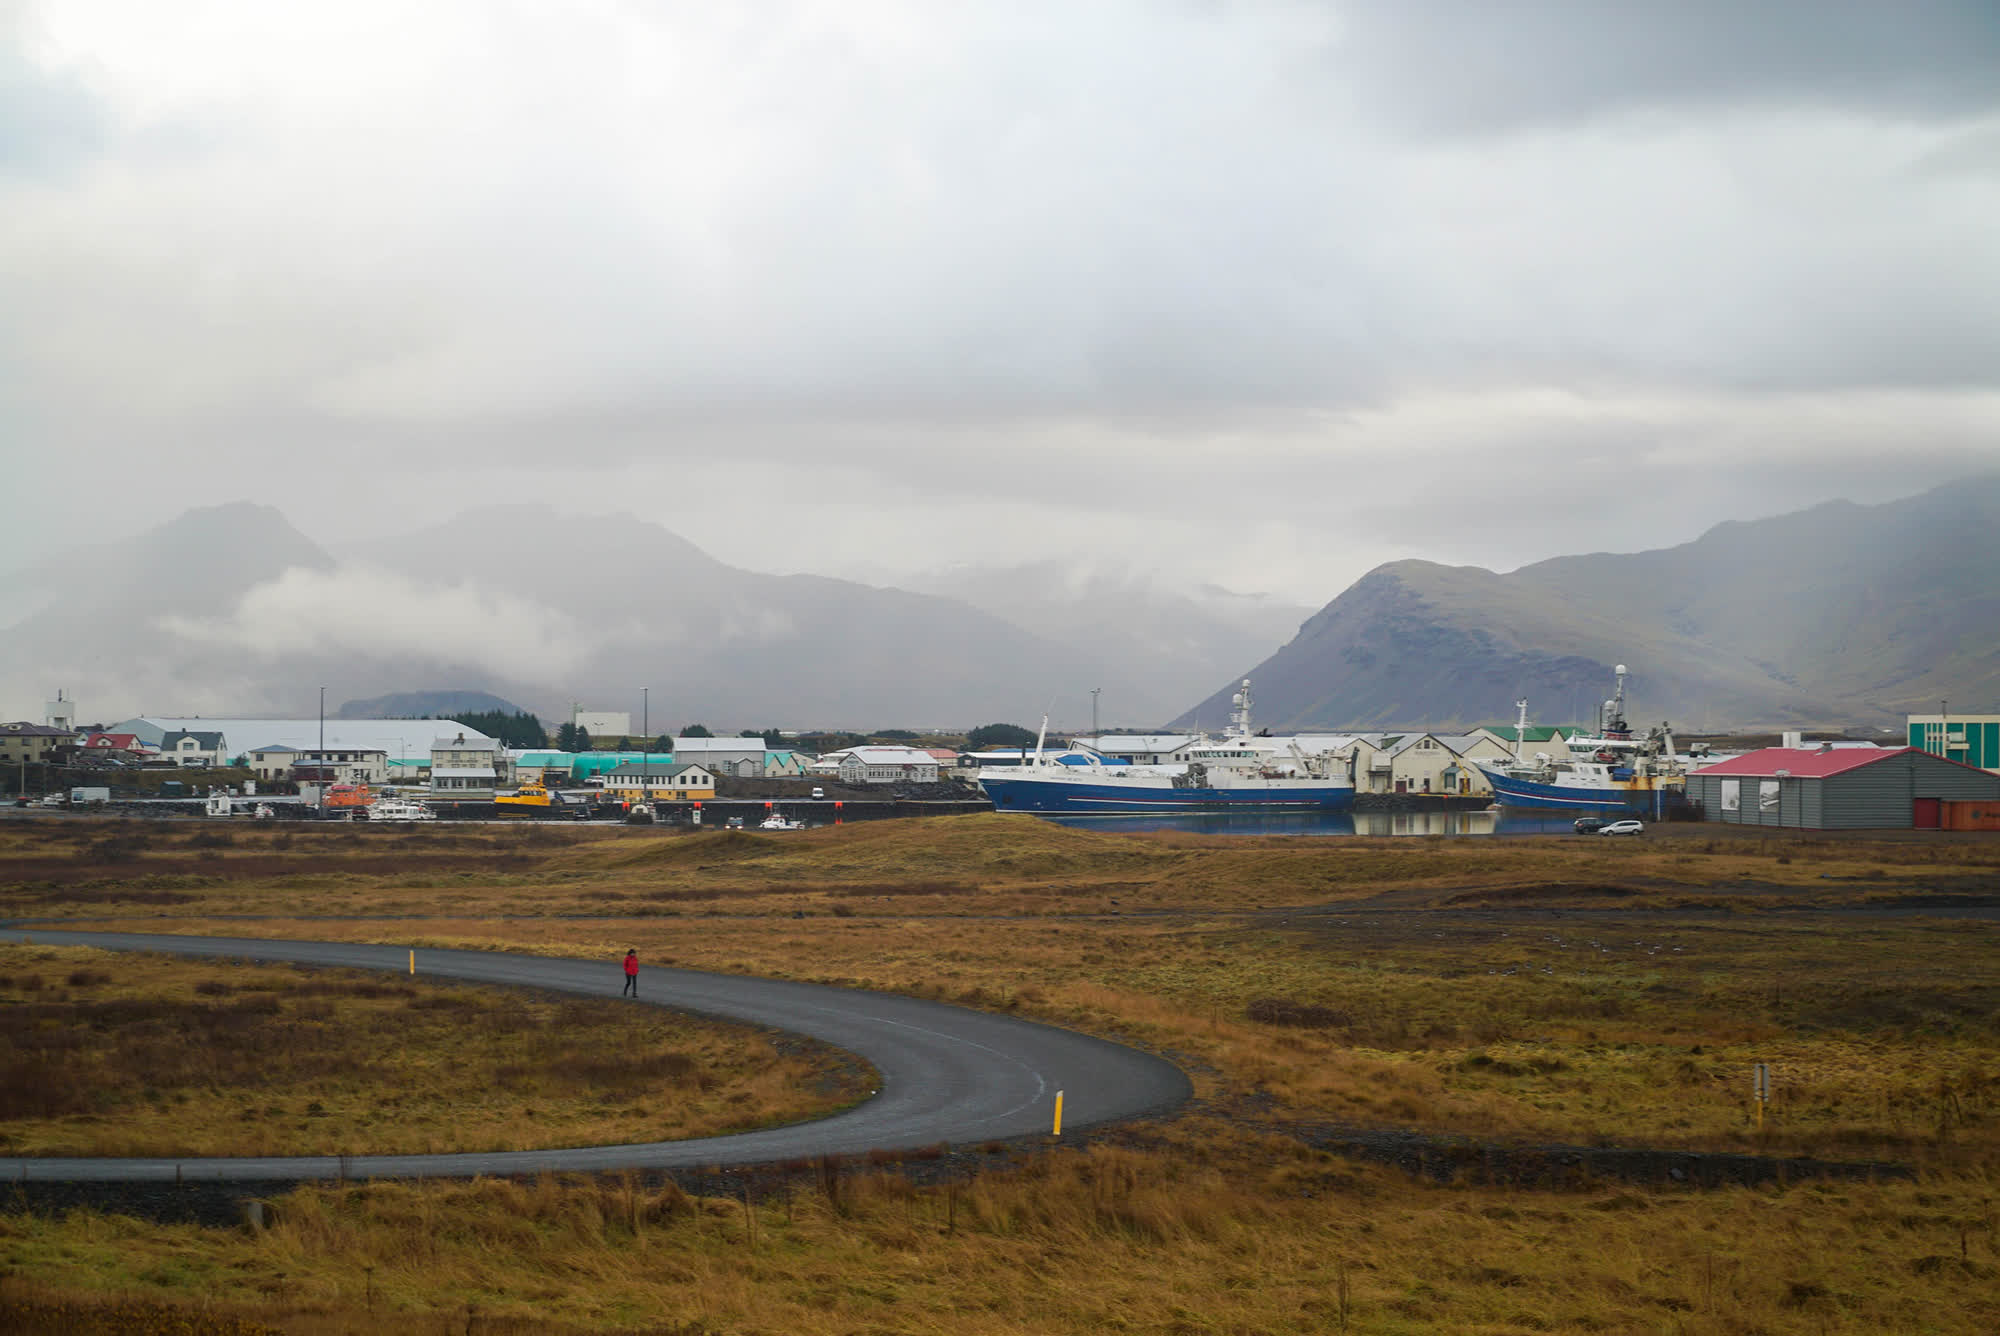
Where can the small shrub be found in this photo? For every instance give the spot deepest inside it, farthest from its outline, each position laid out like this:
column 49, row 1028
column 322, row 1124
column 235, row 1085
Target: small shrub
column 87, row 978
column 1305, row 1015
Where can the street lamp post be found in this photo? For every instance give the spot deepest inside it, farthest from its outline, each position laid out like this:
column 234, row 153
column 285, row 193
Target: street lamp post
column 1095, row 739
column 646, row 714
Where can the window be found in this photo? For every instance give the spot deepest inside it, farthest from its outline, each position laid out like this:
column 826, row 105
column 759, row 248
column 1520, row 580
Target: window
column 1732, row 795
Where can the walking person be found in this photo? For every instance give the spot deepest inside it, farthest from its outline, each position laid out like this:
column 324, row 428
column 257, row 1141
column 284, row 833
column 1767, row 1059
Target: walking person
column 631, row 973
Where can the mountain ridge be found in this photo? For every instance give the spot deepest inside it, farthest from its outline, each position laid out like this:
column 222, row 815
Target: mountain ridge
column 1837, row 614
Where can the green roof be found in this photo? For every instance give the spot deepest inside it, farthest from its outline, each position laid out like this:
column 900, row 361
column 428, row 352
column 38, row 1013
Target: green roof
column 1532, row 733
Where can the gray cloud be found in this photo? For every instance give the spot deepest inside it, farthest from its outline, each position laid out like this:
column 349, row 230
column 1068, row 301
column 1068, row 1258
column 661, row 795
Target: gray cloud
column 1068, row 279
column 1462, row 66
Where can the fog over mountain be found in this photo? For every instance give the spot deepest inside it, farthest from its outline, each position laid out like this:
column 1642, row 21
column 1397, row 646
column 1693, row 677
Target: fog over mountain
column 231, row 610
column 1261, row 294
column 1842, row 614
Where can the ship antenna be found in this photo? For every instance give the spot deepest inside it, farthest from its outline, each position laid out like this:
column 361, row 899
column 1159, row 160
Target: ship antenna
column 1521, row 728
column 1240, row 716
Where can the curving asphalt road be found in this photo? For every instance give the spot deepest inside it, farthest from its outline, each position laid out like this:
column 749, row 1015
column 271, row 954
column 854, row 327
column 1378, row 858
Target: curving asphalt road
column 948, row 1074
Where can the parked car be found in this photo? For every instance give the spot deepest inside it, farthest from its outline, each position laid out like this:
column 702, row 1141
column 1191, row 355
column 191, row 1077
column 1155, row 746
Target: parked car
column 819, row 793
column 1590, row 825
column 1624, row 828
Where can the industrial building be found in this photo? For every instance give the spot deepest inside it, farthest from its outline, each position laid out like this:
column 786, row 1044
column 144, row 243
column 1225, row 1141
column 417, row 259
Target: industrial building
column 1970, row 739
column 1838, row 788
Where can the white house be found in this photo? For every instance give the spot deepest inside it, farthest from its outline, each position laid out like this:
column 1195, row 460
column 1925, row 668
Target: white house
column 334, row 765
column 402, row 740
column 195, row 747
column 465, row 767
column 879, row 765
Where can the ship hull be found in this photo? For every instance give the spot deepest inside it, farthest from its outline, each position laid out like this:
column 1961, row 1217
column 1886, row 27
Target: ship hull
column 1075, row 797
column 1639, row 795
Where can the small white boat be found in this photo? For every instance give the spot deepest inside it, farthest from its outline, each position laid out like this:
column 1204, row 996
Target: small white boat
column 779, row 821
column 399, row 809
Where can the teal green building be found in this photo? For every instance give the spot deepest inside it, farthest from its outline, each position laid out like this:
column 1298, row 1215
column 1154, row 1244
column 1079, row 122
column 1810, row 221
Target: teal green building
column 1969, row 739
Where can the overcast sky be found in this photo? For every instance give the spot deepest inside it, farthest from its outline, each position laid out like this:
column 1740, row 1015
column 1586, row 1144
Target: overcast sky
column 1257, row 293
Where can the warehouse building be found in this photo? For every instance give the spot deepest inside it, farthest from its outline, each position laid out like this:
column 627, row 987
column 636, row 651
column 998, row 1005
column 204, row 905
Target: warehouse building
column 1838, row 788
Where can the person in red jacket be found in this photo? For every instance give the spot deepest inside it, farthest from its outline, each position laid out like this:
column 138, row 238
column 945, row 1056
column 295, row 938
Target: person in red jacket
column 631, row 973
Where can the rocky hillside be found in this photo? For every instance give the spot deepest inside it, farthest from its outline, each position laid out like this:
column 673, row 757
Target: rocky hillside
column 1839, row 615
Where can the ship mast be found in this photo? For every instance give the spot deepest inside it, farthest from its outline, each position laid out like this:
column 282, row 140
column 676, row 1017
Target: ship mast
column 1611, row 718
column 1239, row 717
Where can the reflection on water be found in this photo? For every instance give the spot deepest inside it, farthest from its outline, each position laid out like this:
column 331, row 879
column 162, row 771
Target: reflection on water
column 1490, row 821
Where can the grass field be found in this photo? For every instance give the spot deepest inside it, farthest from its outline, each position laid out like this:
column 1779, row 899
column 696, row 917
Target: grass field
column 1513, row 990
column 115, row 1053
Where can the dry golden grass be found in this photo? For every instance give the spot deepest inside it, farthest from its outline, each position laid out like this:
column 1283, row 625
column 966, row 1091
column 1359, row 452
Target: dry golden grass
column 1222, row 1234
column 947, row 865
column 1883, row 1037
column 1536, row 989
column 111, row 1053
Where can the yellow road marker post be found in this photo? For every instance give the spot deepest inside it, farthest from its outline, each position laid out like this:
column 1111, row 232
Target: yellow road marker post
column 413, row 960
column 1058, row 1129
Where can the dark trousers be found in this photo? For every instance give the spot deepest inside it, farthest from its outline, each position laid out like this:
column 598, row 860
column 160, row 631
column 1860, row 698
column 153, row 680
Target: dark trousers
column 631, row 986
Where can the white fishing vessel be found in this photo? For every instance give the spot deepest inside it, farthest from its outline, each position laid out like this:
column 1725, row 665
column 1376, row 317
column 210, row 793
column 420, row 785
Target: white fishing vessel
column 1237, row 772
column 1614, row 767
column 399, row 809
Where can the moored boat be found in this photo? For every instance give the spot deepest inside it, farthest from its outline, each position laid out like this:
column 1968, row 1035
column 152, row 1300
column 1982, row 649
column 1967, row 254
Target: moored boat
column 1238, row 772
column 399, row 809
column 1612, row 768
column 531, row 799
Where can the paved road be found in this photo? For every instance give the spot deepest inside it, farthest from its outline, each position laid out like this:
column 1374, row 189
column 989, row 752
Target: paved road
column 948, row 1074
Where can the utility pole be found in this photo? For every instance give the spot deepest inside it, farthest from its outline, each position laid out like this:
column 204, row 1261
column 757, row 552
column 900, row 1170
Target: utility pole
column 1095, row 739
column 320, row 769
column 646, row 714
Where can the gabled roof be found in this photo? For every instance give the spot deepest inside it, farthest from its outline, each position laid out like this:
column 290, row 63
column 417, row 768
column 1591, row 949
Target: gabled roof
column 206, row 740
column 1532, row 733
column 119, row 741
column 639, row 770
column 275, row 749
column 1804, row 762
column 28, row 730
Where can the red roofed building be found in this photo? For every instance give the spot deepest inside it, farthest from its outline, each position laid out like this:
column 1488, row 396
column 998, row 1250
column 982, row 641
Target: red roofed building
column 1837, row 788
column 124, row 743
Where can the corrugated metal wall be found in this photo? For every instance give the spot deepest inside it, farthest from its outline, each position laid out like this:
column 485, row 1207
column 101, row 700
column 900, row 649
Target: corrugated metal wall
column 1871, row 797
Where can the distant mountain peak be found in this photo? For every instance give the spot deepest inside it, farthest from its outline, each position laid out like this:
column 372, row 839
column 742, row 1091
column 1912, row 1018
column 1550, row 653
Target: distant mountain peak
column 1840, row 614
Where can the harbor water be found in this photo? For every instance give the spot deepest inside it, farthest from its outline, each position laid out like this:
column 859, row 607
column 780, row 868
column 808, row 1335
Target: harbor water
column 1489, row 821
